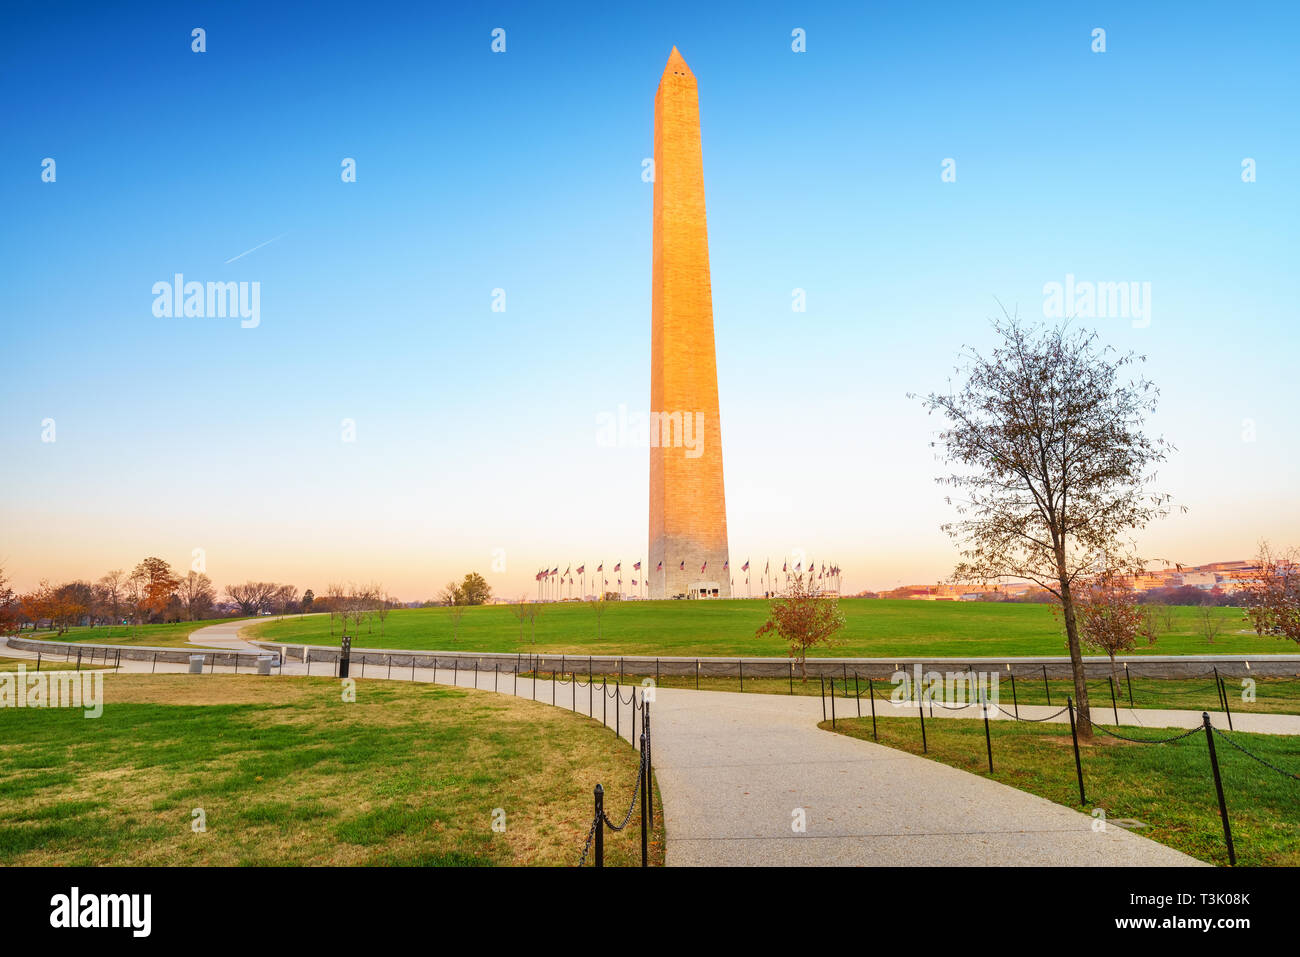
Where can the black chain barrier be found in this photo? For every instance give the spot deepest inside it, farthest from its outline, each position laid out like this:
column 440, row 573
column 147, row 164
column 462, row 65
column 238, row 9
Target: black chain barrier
column 1256, row 757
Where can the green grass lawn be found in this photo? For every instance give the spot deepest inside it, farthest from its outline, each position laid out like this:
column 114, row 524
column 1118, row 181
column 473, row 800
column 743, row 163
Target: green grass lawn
column 287, row 773
column 873, row 628
column 166, row 635
column 1168, row 787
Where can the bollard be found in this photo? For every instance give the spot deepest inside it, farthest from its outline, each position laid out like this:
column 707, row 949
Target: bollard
column 988, row 740
column 1110, row 679
column 925, row 748
column 1223, row 688
column 1046, row 686
column 871, row 693
column 1014, row 702
column 645, row 793
column 600, row 826
column 1078, row 765
column 1218, row 787
column 649, row 758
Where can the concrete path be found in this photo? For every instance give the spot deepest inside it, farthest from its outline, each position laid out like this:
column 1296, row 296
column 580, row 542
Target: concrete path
column 226, row 634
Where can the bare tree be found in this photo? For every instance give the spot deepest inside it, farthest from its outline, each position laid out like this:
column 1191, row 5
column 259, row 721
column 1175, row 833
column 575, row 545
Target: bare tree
column 252, row 597
column 335, row 603
column 1209, row 622
column 519, row 608
column 1051, row 463
column 196, row 594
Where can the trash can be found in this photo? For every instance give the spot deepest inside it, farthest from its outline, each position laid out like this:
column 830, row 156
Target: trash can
column 196, row 664
column 264, row 663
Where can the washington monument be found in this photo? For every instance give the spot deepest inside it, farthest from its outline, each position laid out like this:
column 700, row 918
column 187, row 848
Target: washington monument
column 688, row 511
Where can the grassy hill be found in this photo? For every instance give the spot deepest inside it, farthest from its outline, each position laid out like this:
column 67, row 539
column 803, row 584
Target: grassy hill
column 874, row 628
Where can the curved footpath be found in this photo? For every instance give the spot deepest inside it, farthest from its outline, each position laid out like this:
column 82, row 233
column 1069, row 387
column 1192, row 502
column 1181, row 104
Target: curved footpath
column 736, row 772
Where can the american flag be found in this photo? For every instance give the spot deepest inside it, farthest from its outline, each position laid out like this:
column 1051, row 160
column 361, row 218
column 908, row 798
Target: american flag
column 582, row 569
column 704, row 566
column 618, row 566
column 682, row 566
column 745, row 567
column 660, row 568
column 637, row 566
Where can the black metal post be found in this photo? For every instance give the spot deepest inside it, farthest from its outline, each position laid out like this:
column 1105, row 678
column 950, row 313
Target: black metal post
column 455, row 671
column 649, row 759
column 475, row 672
column 600, row 826
column 1223, row 688
column 154, row 667
column 38, row 661
column 645, row 799
column 1078, row 765
column 1128, row 679
column 1110, row 679
column 1014, row 702
column 1218, row 788
column 791, row 664
column 390, row 666
column 697, row 674
column 988, row 740
column 871, row 692
column 741, row 662
column 1046, row 686
column 857, row 693
column 832, row 702
column 604, row 702
column 822, row 679
column 78, row 659
column 925, row 747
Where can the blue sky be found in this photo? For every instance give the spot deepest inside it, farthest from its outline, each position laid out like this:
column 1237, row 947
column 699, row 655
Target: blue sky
column 476, row 430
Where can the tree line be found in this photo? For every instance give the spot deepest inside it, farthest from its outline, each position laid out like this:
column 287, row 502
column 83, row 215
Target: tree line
column 152, row 592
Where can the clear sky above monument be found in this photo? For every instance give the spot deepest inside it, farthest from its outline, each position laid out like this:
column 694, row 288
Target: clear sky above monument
column 476, row 430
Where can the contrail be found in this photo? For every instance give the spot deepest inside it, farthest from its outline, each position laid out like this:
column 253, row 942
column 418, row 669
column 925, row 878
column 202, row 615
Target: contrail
column 254, row 249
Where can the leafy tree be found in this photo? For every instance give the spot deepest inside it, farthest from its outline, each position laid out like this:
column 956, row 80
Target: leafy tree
column 154, row 584
column 475, row 590
column 1051, row 464
column 803, row 618
column 1274, row 596
column 1110, row 619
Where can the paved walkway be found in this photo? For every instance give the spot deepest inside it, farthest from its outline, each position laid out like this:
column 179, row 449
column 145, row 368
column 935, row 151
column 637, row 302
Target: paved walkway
column 226, row 634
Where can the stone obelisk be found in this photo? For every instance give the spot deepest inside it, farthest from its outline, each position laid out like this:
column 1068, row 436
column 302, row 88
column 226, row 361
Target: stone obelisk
column 688, row 511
